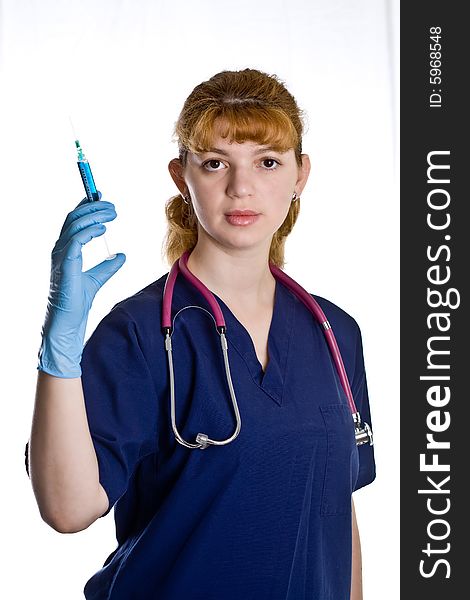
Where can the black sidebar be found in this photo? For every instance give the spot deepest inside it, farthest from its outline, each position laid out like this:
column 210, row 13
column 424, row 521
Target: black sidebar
column 435, row 269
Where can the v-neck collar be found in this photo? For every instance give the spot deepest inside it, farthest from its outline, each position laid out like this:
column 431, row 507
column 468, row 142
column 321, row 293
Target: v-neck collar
column 281, row 328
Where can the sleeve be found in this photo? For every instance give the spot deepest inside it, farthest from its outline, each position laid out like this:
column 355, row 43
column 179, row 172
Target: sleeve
column 361, row 399
column 120, row 400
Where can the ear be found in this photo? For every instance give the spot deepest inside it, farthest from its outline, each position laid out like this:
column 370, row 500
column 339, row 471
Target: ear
column 303, row 173
column 177, row 174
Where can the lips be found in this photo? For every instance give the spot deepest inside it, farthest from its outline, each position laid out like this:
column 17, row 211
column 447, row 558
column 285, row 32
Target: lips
column 242, row 218
column 245, row 213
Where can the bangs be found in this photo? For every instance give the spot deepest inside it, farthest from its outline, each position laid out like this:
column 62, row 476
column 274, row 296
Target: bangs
column 240, row 123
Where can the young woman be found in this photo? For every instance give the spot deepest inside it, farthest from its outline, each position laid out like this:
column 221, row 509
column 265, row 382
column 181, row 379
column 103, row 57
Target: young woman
column 231, row 470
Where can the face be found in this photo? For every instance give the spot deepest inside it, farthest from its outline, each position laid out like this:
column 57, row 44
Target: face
column 235, row 177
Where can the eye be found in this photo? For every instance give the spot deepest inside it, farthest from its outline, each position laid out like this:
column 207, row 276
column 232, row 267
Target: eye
column 271, row 160
column 213, row 163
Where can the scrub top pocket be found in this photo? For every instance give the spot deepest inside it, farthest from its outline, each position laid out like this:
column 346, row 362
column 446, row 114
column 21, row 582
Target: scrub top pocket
column 342, row 461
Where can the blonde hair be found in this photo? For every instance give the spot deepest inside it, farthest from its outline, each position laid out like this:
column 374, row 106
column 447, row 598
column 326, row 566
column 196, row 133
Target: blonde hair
column 248, row 105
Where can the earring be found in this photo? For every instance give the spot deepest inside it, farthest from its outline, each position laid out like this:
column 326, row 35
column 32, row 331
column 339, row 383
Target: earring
column 186, row 199
column 295, row 197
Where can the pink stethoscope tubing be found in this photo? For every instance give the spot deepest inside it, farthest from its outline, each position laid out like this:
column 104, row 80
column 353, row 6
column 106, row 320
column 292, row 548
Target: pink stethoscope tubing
column 363, row 432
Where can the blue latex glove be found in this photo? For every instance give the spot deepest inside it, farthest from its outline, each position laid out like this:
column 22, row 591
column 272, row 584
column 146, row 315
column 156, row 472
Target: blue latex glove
column 71, row 291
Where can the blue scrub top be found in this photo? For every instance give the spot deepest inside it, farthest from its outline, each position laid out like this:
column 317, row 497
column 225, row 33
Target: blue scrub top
column 267, row 517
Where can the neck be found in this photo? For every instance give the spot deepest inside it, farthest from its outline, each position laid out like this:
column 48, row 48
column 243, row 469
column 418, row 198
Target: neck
column 240, row 277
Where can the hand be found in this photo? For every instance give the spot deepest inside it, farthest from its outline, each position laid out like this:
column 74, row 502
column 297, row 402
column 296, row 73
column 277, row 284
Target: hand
column 71, row 291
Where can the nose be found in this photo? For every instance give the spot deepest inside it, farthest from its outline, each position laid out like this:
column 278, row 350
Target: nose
column 240, row 182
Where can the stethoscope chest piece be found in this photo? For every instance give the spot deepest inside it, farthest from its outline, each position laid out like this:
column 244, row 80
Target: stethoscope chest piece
column 362, row 431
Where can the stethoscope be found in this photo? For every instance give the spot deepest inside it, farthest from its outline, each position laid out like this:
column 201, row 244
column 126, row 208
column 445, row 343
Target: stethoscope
column 363, row 432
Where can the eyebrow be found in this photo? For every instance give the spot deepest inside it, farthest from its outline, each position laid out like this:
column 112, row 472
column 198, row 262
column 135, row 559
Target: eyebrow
column 259, row 151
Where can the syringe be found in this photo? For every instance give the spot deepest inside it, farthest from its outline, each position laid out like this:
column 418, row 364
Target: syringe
column 88, row 182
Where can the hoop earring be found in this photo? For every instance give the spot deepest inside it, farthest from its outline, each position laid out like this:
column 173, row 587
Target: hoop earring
column 295, row 197
column 186, row 199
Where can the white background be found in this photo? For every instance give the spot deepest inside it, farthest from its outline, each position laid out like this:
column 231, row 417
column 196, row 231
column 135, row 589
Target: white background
column 122, row 70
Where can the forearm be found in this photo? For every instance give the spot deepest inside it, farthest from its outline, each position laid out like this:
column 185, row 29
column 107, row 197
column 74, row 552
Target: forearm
column 356, row 575
column 62, row 460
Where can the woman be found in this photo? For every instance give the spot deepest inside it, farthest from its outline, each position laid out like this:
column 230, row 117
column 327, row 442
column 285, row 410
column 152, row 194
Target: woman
column 268, row 515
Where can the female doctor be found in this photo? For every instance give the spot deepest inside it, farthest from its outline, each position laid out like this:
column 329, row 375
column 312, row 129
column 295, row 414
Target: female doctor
column 268, row 515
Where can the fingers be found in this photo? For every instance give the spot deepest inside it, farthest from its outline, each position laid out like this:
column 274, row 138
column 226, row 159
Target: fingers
column 85, row 207
column 99, row 275
column 86, row 201
column 83, row 219
column 72, row 248
column 99, row 216
column 82, row 224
